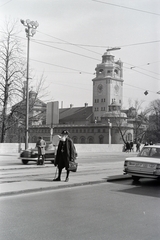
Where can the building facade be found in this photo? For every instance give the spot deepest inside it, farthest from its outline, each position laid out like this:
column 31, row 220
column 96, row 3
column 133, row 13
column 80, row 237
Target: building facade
column 102, row 123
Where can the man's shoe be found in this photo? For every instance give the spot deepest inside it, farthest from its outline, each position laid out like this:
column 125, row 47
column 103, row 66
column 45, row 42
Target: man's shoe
column 67, row 179
column 57, row 180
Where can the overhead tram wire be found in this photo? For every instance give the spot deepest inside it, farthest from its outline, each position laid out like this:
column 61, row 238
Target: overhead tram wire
column 73, row 44
column 79, row 71
column 98, row 46
column 89, row 57
column 65, row 50
column 86, row 56
column 51, row 64
column 132, row 66
column 142, row 73
column 89, row 45
column 129, row 8
column 6, row 3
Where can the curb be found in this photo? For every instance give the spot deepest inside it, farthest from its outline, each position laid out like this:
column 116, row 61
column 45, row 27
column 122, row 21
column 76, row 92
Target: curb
column 118, row 178
column 36, row 190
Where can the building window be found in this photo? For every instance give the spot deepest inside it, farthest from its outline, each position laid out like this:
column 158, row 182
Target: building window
column 116, row 71
column 129, row 137
column 90, row 140
column 96, row 100
column 82, row 139
column 74, row 139
column 101, row 139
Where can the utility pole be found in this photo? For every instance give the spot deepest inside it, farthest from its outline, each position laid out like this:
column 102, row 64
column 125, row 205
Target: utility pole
column 30, row 31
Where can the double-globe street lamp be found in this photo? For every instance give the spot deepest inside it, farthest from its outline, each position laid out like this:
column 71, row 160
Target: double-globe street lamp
column 30, row 31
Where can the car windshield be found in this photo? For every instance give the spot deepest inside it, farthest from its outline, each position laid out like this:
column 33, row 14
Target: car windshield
column 49, row 146
column 150, row 152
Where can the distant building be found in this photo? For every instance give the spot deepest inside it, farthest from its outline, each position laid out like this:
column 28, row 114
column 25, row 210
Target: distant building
column 104, row 122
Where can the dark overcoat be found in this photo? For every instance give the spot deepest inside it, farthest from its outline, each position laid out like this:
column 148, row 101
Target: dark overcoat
column 68, row 153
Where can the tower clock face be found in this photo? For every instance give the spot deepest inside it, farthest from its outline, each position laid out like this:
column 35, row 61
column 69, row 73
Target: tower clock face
column 100, row 88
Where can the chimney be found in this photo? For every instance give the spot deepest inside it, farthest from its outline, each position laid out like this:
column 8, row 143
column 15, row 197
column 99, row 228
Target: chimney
column 71, row 105
column 86, row 104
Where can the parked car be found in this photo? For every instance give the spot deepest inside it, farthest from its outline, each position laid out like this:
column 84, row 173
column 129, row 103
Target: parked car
column 32, row 154
column 145, row 164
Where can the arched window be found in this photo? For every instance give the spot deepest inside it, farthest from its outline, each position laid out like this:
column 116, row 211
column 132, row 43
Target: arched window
column 101, row 139
column 82, row 139
column 74, row 139
column 116, row 71
column 90, row 140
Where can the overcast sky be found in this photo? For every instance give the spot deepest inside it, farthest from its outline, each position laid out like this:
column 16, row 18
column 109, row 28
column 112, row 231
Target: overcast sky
column 74, row 34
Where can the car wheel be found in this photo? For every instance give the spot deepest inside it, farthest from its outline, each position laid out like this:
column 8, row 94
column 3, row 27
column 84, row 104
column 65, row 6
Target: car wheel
column 24, row 161
column 135, row 178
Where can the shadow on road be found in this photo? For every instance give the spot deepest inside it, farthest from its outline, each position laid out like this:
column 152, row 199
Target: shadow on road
column 145, row 187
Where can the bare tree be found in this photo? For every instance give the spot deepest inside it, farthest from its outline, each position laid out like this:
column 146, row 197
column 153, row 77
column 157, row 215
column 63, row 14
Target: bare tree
column 139, row 118
column 12, row 88
column 134, row 123
column 153, row 131
column 120, row 122
column 11, row 73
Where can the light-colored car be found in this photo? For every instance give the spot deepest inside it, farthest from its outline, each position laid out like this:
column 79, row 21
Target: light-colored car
column 145, row 164
column 32, row 154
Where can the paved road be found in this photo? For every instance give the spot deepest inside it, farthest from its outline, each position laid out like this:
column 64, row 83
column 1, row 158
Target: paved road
column 16, row 177
column 108, row 211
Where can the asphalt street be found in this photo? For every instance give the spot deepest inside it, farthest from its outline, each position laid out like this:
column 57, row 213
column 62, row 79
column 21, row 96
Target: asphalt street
column 118, row 210
column 87, row 207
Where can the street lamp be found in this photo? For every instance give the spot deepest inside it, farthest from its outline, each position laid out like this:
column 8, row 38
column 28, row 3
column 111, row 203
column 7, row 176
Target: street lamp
column 30, row 31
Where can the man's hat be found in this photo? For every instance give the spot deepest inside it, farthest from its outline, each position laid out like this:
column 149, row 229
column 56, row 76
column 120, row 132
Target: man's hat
column 65, row 132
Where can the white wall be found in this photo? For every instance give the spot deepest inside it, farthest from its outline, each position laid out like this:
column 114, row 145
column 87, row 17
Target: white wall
column 13, row 148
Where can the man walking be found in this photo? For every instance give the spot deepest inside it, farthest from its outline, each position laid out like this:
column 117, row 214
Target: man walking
column 41, row 144
column 65, row 153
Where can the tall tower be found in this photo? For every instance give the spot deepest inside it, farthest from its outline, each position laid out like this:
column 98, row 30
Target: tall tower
column 107, row 85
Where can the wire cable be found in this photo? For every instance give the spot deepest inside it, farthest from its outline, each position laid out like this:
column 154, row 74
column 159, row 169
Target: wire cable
column 65, row 50
column 78, row 71
column 134, row 9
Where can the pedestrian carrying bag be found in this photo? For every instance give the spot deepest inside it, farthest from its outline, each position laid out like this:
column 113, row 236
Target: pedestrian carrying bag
column 73, row 166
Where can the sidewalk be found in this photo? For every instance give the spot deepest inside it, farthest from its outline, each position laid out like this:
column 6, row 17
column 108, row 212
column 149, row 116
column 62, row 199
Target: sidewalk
column 84, row 176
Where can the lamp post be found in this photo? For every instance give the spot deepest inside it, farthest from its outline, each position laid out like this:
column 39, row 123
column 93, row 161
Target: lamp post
column 30, row 31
